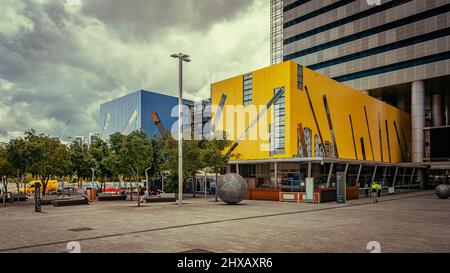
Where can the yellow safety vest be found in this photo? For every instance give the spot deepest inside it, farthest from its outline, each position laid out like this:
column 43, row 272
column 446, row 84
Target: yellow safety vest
column 374, row 186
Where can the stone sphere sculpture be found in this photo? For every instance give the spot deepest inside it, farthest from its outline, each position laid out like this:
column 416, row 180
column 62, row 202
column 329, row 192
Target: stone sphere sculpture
column 231, row 188
column 443, row 191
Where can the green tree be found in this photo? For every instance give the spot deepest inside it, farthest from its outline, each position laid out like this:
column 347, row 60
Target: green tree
column 130, row 155
column 6, row 169
column 82, row 160
column 116, row 159
column 100, row 151
column 47, row 157
column 192, row 161
column 136, row 155
column 17, row 155
column 214, row 154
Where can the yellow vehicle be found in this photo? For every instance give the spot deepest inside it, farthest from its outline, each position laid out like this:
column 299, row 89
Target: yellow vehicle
column 52, row 185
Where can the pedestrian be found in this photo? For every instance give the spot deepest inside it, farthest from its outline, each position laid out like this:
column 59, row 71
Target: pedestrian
column 374, row 192
column 140, row 195
column 146, row 194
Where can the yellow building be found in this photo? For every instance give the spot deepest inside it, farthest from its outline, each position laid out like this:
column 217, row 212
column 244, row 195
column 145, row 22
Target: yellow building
column 289, row 123
column 355, row 125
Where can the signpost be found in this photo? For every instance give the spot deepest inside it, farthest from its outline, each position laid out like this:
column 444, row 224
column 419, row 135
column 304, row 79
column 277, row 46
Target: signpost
column 139, row 194
column 37, row 197
column 309, row 188
column 340, row 187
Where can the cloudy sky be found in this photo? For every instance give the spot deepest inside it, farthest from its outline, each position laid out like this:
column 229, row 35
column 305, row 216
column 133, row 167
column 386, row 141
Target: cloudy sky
column 59, row 59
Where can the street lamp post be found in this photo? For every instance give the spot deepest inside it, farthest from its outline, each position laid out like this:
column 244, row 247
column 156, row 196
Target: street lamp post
column 93, row 174
column 181, row 58
column 146, row 179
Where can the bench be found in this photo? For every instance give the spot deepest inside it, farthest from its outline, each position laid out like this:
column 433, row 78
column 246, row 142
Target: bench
column 163, row 197
column 19, row 197
column 70, row 201
column 110, row 197
column 48, row 199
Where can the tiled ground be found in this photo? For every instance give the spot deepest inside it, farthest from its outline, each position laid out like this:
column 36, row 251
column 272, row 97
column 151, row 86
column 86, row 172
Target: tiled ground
column 414, row 222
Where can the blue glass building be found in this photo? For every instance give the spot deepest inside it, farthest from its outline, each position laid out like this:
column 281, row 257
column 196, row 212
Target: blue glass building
column 133, row 112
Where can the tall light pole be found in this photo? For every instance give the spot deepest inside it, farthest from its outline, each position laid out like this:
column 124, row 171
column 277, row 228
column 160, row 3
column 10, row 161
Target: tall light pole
column 93, row 174
column 146, row 178
column 181, row 58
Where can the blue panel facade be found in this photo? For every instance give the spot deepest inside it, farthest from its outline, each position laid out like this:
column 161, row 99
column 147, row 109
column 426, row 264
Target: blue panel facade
column 133, row 112
column 120, row 115
column 162, row 105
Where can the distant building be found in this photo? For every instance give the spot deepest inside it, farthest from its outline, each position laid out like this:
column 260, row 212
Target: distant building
column 93, row 137
column 147, row 111
column 80, row 140
column 201, row 115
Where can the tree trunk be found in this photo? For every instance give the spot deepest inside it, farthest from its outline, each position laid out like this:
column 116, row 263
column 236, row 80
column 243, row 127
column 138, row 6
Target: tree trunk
column 194, row 186
column 18, row 191
column 131, row 191
column 44, row 185
column 215, row 192
column 4, row 192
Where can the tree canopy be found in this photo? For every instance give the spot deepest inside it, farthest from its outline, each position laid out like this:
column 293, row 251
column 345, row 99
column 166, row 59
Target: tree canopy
column 120, row 157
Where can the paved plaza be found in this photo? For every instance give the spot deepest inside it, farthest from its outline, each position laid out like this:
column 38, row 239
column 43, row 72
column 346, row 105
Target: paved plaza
column 413, row 222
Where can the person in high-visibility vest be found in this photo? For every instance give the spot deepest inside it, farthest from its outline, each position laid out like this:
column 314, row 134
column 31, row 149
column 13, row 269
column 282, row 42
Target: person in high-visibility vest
column 375, row 188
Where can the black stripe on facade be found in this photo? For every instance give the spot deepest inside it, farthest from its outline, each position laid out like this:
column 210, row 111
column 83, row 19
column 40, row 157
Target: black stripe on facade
column 344, row 21
column 372, row 31
column 384, row 48
column 318, row 12
column 295, row 4
column 393, row 67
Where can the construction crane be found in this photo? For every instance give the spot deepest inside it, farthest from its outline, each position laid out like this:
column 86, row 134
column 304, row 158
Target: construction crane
column 158, row 123
column 64, row 130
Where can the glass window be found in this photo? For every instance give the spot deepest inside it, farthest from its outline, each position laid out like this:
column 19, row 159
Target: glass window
column 299, row 77
column 248, row 89
column 277, row 136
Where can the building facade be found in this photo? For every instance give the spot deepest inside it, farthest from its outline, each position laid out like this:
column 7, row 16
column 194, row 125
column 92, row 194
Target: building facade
column 395, row 50
column 81, row 140
column 152, row 113
column 93, row 137
column 133, row 112
column 288, row 122
column 350, row 125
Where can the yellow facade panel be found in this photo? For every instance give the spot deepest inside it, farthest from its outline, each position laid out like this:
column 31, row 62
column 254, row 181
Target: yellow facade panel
column 354, row 127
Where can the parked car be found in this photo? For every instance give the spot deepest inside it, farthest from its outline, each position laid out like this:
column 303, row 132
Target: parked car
column 52, row 185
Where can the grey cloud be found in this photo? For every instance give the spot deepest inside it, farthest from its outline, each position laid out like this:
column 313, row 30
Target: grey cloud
column 65, row 62
column 12, row 64
column 144, row 19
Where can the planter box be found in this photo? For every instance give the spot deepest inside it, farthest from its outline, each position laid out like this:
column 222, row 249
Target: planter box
column 264, row 194
column 327, row 194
